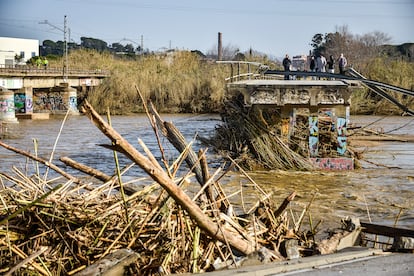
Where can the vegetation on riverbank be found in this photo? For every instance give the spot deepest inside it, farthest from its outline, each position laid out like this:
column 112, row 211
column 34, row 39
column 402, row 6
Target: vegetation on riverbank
column 396, row 72
column 189, row 82
column 184, row 82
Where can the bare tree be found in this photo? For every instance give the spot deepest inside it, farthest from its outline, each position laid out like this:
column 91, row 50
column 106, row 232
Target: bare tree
column 229, row 51
column 357, row 49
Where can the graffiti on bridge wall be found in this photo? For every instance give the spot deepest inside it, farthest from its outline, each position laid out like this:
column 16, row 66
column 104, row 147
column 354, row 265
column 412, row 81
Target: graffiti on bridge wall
column 52, row 101
column 22, row 103
column 73, row 102
column 313, row 135
column 6, row 105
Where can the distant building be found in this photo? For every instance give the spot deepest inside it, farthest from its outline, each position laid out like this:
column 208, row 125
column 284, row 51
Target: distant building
column 299, row 63
column 14, row 51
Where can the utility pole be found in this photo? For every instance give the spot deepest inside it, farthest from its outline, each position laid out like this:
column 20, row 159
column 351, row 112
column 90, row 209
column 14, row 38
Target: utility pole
column 65, row 45
column 65, row 64
column 142, row 44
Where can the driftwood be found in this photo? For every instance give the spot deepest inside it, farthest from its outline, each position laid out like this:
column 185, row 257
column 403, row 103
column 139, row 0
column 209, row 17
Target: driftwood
column 178, row 141
column 86, row 169
column 43, row 161
column 94, row 172
column 284, row 204
column 347, row 236
column 153, row 170
column 112, row 265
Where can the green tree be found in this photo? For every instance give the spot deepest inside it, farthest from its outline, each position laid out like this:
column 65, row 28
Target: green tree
column 129, row 48
column 93, row 43
column 117, row 47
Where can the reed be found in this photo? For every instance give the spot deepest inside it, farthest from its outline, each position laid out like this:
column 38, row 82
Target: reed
column 396, row 72
column 179, row 81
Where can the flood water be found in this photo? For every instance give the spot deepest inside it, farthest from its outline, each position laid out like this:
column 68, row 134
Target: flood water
column 375, row 193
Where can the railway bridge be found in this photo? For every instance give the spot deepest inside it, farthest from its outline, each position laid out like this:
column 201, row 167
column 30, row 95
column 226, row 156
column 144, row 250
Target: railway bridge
column 29, row 92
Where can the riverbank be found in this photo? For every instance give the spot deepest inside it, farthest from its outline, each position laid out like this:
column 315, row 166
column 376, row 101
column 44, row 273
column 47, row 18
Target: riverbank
column 185, row 82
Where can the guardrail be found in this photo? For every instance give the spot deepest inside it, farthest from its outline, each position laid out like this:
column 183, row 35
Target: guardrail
column 27, row 70
column 246, row 70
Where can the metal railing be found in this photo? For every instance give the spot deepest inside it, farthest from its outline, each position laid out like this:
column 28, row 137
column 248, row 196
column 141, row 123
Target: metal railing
column 27, row 70
column 245, row 70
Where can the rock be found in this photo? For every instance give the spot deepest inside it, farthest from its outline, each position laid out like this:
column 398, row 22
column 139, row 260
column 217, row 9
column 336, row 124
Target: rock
column 112, row 265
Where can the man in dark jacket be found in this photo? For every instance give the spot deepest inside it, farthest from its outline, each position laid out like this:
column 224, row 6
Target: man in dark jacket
column 286, row 65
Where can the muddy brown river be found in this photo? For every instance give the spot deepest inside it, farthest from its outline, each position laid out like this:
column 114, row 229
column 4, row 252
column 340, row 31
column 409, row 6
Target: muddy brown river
column 377, row 192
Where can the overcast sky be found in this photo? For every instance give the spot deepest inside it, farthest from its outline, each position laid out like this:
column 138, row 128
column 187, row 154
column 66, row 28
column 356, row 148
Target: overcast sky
column 274, row 27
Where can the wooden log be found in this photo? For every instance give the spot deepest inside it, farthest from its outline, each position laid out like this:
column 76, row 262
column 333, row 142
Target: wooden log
column 203, row 221
column 95, row 173
column 85, row 169
column 43, row 161
column 175, row 137
column 284, row 204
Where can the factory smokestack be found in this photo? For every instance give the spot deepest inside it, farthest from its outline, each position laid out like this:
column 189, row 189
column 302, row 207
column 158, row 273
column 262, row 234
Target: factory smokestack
column 219, row 48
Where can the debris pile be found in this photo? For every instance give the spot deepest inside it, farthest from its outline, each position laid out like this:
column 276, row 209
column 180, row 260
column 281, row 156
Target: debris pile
column 185, row 222
column 253, row 136
column 66, row 225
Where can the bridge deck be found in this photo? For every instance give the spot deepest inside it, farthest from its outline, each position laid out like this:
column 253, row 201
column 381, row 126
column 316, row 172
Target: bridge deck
column 292, row 92
column 285, row 83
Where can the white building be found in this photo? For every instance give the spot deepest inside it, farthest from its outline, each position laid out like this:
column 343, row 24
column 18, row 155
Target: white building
column 20, row 47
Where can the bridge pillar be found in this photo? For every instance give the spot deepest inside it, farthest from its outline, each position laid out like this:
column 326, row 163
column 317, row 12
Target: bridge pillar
column 342, row 118
column 7, row 111
column 313, row 131
column 287, row 122
column 27, row 101
column 71, row 98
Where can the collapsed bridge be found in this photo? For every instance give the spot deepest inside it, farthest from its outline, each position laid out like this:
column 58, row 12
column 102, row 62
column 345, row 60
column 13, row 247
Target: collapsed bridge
column 320, row 101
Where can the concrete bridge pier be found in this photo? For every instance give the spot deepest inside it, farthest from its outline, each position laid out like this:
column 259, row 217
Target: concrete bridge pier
column 7, row 109
column 26, row 103
column 8, row 120
column 70, row 97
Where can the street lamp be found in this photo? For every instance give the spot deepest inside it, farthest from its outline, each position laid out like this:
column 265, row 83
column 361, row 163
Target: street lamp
column 65, row 45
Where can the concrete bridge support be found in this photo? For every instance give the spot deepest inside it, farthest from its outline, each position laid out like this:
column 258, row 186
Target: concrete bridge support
column 39, row 103
column 7, row 110
column 40, row 92
column 325, row 104
column 24, row 100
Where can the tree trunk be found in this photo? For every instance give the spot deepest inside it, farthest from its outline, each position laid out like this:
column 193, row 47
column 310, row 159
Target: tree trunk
column 194, row 211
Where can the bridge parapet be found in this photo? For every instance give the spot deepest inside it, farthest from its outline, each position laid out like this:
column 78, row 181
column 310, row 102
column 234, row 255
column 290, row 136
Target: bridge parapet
column 31, row 71
column 304, row 93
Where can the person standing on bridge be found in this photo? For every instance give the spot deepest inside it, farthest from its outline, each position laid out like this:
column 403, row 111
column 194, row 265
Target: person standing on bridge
column 342, row 64
column 331, row 65
column 286, row 65
column 320, row 64
column 45, row 62
column 39, row 62
column 312, row 66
